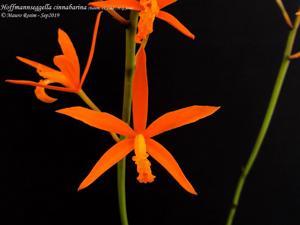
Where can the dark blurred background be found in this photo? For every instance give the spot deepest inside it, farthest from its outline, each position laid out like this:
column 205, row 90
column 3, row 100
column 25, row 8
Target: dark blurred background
column 232, row 63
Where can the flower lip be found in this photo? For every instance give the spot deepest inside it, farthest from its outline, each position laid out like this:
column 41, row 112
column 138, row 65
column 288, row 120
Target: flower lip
column 141, row 161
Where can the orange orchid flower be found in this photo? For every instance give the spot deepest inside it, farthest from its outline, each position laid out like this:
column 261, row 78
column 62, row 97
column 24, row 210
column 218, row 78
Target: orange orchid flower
column 139, row 139
column 148, row 10
column 68, row 74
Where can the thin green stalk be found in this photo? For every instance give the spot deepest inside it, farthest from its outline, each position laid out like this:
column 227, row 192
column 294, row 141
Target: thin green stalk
column 88, row 101
column 266, row 122
column 126, row 114
column 92, row 105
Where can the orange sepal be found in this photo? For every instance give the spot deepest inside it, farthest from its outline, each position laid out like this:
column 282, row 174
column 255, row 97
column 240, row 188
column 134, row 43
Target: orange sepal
column 36, row 84
column 178, row 118
column 100, row 120
column 140, row 92
column 167, row 17
column 163, row 156
column 92, row 50
column 117, row 4
column 110, row 158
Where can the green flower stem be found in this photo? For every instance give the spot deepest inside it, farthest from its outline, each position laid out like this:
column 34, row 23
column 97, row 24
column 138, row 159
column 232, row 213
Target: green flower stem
column 88, row 101
column 126, row 114
column 266, row 122
column 91, row 104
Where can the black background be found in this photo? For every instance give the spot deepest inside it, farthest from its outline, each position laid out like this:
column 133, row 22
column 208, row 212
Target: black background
column 232, row 63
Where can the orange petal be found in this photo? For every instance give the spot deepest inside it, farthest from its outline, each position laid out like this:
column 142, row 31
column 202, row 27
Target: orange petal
column 140, row 92
column 68, row 50
column 295, row 56
column 67, row 68
column 179, row 118
column 57, row 77
column 38, row 66
column 47, row 72
column 165, row 3
column 175, row 23
column 41, row 94
column 100, row 120
column 117, row 4
column 110, row 158
column 163, row 156
column 92, row 50
column 35, row 84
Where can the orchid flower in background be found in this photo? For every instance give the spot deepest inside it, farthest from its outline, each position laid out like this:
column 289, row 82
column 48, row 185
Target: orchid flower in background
column 68, row 74
column 148, row 10
column 139, row 139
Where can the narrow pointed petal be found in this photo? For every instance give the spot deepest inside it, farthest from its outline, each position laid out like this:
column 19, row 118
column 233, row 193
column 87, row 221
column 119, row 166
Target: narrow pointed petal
column 100, row 120
column 92, row 50
column 36, row 84
column 167, row 17
column 163, row 156
column 42, row 95
column 165, row 3
column 140, row 92
column 67, row 68
column 110, row 158
column 68, row 50
column 117, row 4
column 38, row 66
column 179, row 118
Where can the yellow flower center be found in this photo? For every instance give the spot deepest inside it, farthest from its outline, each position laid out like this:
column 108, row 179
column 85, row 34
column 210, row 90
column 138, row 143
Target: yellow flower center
column 141, row 161
column 147, row 16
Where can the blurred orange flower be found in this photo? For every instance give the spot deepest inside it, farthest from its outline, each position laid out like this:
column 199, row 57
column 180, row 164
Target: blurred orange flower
column 148, row 10
column 139, row 139
column 68, row 74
